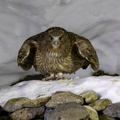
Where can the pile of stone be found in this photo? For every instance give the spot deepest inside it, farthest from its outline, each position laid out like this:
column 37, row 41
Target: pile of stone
column 61, row 106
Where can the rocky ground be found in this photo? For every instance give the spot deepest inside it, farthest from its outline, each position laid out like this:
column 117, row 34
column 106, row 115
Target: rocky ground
column 61, row 106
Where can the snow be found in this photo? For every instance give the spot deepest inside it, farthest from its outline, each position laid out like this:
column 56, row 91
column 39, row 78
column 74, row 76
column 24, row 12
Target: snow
column 105, row 86
column 97, row 20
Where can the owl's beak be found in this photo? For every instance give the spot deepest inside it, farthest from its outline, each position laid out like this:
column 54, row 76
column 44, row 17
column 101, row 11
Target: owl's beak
column 55, row 41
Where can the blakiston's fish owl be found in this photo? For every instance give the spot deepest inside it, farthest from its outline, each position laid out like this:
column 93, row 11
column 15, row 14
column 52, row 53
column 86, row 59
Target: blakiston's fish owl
column 57, row 51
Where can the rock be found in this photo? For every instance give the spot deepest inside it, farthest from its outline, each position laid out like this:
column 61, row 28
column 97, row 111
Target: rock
column 64, row 97
column 36, row 103
column 19, row 103
column 113, row 110
column 100, row 104
column 15, row 104
column 68, row 111
column 92, row 112
column 90, row 96
column 41, row 101
column 27, row 113
column 104, row 117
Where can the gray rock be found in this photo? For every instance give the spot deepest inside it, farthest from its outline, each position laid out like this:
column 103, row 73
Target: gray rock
column 67, row 111
column 27, row 113
column 92, row 112
column 64, row 97
column 90, row 96
column 100, row 104
column 15, row 104
column 113, row 110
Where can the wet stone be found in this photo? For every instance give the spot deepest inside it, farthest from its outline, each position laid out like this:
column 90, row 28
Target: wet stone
column 100, row 104
column 64, row 97
column 67, row 111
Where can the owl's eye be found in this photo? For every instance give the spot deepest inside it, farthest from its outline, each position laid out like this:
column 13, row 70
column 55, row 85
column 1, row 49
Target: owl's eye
column 50, row 38
column 60, row 38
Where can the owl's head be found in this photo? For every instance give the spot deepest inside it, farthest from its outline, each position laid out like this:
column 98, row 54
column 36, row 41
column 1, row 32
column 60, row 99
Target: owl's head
column 57, row 36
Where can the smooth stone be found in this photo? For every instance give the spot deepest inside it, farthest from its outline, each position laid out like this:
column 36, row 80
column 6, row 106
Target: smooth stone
column 92, row 112
column 67, row 111
column 27, row 113
column 41, row 101
column 37, row 102
column 64, row 97
column 15, row 104
column 113, row 110
column 89, row 96
column 100, row 104
column 19, row 103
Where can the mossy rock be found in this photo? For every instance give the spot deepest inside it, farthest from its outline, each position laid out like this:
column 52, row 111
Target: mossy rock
column 89, row 96
column 100, row 104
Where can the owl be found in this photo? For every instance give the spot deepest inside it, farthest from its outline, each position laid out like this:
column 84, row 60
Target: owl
column 57, row 51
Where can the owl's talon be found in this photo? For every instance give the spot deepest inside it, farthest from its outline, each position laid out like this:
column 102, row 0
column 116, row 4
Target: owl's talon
column 55, row 78
column 51, row 77
column 62, row 78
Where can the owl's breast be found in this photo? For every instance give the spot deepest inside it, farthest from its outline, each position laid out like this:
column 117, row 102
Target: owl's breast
column 53, row 62
column 52, row 55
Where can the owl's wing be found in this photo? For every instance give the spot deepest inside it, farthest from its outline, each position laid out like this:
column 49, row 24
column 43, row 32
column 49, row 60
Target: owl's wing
column 26, row 54
column 86, row 50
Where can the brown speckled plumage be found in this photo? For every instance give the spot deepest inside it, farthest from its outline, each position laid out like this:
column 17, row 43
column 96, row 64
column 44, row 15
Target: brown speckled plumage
column 57, row 51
